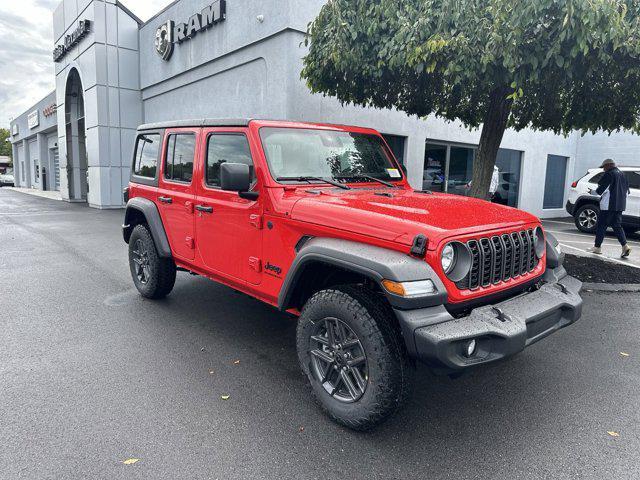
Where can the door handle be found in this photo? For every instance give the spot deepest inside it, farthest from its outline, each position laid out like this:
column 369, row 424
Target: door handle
column 165, row 199
column 202, row 208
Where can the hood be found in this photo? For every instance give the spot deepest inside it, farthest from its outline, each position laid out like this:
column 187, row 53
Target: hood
column 399, row 215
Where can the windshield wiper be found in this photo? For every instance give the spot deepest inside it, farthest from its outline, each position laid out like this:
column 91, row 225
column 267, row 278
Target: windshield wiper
column 314, row 179
column 369, row 177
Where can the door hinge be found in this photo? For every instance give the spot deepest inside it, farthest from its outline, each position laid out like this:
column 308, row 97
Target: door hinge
column 190, row 242
column 256, row 221
column 255, row 264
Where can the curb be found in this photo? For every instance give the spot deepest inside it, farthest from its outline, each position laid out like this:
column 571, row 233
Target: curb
column 611, row 287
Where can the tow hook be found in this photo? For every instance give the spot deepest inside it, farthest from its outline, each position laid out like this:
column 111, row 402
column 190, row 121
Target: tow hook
column 503, row 317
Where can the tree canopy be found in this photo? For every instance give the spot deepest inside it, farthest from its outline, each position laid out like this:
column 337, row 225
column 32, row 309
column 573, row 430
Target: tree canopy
column 543, row 64
column 5, row 147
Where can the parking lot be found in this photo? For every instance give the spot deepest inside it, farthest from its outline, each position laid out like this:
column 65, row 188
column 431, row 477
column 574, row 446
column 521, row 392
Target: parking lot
column 92, row 375
column 575, row 242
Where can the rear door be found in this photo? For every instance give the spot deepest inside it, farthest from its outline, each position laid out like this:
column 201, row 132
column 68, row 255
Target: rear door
column 228, row 228
column 633, row 200
column 176, row 195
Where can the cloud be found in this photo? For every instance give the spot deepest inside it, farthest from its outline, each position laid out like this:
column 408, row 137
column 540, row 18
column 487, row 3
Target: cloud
column 26, row 45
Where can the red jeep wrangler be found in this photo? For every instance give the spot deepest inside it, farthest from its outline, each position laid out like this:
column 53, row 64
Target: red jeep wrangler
column 319, row 221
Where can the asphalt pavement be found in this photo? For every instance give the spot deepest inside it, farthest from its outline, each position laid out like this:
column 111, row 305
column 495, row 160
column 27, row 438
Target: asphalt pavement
column 92, row 375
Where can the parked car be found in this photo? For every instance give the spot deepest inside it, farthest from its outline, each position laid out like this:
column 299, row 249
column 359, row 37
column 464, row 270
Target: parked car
column 6, row 179
column 319, row 221
column 584, row 204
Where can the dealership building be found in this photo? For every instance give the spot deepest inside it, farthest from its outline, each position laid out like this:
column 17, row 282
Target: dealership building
column 242, row 58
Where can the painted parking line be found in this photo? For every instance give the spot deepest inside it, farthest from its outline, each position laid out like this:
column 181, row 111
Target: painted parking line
column 581, row 235
column 602, row 257
column 558, row 221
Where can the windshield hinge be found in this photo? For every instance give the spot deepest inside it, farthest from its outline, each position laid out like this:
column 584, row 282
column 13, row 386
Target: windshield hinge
column 419, row 246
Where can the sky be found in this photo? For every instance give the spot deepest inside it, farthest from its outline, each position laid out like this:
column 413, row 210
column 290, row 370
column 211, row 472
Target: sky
column 26, row 45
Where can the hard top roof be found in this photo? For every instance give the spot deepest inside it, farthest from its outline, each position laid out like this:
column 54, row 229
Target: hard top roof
column 200, row 122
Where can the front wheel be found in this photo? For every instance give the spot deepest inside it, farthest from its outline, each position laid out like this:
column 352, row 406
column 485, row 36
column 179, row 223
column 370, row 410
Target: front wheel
column 353, row 356
column 152, row 275
column 586, row 218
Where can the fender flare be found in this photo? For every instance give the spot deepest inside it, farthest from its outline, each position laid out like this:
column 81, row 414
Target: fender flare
column 152, row 215
column 370, row 261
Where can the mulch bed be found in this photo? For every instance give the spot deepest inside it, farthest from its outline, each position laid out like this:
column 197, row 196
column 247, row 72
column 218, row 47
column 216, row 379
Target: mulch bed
column 594, row 270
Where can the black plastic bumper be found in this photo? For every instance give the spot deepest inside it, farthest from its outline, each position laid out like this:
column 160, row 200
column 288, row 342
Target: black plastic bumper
column 570, row 207
column 434, row 337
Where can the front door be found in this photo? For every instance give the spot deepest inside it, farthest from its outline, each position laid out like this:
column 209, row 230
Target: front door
column 176, row 194
column 228, row 228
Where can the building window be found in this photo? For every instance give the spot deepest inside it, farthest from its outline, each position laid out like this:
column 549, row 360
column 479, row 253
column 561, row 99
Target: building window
column 435, row 164
column 180, row 153
column 22, row 176
column 146, row 158
column 554, row 186
column 224, row 148
column 36, row 170
column 449, row 168
column 397, row 145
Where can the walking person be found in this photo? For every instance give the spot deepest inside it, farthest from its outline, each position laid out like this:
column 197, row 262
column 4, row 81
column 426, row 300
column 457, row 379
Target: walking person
column 613, row 189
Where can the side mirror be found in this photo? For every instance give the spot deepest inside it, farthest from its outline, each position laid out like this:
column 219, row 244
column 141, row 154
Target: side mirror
column 236, row 177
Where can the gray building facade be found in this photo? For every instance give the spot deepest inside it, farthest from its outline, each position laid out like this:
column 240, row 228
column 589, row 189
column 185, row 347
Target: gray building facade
column 242, row 58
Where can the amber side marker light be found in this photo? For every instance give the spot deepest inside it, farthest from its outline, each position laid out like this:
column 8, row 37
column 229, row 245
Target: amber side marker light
column 409, row 289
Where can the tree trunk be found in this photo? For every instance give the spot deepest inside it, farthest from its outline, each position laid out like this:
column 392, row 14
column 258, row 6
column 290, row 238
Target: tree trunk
column 495, row 123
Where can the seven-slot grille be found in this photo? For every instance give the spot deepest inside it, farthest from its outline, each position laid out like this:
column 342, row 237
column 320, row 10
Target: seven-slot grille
column 499, row 258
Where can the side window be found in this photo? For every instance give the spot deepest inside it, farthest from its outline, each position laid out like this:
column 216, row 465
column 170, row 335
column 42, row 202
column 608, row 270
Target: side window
column 146, row 157
column 596, row 178
column 226, row 147
column 180, row 153
column 634, row 179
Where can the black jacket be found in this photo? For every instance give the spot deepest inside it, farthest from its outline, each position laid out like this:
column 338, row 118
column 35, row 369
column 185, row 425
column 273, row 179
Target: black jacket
column 618, row 189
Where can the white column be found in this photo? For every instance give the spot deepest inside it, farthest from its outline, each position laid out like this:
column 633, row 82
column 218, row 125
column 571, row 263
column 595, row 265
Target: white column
column 27, row 163
column 16, row 165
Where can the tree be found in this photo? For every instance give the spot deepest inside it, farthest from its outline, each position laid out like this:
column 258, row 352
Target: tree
column 558, row 65
column 5, row 146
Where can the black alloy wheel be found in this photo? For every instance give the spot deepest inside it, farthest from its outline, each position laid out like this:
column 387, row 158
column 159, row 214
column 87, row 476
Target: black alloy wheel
column 338, row 360
column 141, row 260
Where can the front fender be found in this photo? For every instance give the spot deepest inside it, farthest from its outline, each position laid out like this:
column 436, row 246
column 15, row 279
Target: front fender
column 370, row 261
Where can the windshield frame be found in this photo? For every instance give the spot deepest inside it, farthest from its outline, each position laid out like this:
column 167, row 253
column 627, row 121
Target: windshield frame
column 385, row 148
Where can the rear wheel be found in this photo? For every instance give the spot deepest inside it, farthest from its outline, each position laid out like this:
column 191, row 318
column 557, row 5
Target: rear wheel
column 353, row 357
column 152, row 275
column 630, row 230
column 586, row 218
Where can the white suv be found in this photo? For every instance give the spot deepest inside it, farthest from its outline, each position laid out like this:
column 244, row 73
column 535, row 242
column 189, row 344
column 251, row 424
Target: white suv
column 584, row 203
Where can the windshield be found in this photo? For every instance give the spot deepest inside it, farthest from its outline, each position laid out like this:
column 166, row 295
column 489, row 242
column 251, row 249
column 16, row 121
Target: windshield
column 295, row 154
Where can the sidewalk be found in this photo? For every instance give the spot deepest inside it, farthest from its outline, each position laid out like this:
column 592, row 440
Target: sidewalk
column 575, row 242
column 52, row 195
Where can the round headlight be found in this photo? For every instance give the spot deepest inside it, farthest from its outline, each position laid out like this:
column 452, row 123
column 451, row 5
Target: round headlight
column 448, row 258
column 539, row 242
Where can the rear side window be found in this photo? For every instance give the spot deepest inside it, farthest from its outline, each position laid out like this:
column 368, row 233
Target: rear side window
column 634, row 179
column 180, row 153
column 145, row 162
column 226, row 147
column 596, row 178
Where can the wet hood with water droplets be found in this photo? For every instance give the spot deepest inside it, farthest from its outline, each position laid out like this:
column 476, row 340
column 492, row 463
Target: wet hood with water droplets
column 405, row 213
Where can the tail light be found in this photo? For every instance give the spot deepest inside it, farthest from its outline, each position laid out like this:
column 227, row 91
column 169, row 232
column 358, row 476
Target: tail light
column 574, row 184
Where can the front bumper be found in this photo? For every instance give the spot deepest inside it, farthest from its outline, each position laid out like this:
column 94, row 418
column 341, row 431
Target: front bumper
column 434, row 337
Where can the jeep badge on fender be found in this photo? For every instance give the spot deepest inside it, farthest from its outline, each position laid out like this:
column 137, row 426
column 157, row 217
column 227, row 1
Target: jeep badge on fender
column 380, row 276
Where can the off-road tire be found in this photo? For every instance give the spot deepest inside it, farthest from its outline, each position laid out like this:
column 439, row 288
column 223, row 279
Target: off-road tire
column 584, row 209
column 162, row 271
column 390, row 370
